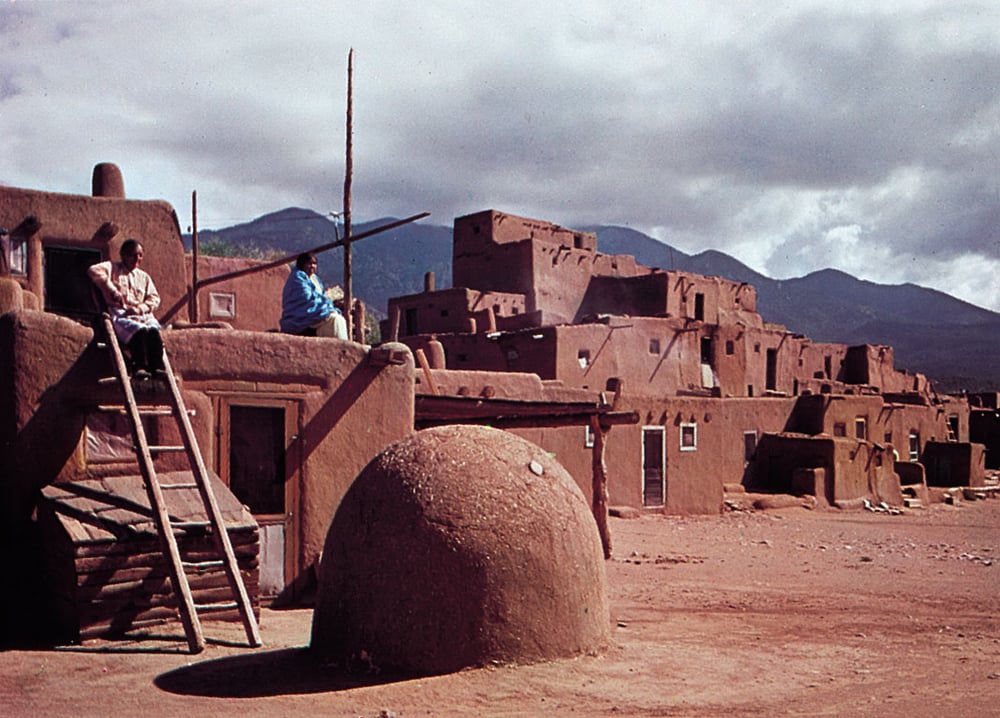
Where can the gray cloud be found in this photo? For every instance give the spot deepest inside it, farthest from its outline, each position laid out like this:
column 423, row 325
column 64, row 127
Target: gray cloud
column 794, row 138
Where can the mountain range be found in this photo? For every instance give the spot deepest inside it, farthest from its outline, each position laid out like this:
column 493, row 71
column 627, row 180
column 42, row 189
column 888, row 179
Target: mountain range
column 954, row 342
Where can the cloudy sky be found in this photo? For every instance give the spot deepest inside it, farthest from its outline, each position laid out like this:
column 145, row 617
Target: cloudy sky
column 793, row 135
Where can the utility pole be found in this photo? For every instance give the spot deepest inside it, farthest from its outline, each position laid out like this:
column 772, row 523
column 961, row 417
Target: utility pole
column 348, row 171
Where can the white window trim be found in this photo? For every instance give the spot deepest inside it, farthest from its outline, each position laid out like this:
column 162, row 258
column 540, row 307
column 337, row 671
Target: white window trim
column 694, row 427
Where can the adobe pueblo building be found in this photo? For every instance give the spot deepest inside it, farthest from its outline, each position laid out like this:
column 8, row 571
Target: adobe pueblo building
column 285, row 423
column 725, row 400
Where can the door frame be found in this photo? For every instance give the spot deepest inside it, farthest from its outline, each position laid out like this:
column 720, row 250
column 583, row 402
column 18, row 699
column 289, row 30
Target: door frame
column 293, row 466
column 663, row 466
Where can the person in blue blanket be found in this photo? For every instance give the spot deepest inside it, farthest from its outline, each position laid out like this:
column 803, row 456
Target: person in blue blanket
column 305, row 308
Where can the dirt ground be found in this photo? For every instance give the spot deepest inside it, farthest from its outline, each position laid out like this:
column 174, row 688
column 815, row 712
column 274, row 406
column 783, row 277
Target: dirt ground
column 783, row 612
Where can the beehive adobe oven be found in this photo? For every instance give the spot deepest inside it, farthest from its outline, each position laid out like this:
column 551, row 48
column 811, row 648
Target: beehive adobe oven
column 460, row 546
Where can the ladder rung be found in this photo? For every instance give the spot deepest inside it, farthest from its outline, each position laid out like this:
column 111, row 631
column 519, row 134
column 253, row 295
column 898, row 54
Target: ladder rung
column 143, row 410
column 107, row 380
column 229, row 605
column 203, row 564
column 167, row 448
column 190, row 524
column 178, row 486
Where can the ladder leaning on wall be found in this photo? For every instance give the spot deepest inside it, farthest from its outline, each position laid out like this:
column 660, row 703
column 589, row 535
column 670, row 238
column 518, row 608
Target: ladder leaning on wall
column 165, row 527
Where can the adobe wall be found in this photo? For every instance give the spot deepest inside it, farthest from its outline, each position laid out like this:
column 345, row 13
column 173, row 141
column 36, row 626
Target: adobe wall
column 100, row 223
column 450, row 311
column 984, row 428
column 853, row 469
column 103, row 222
column 251, row 302
column 950, row 464
column 694, row 477
column 926, row 423
column 349, row 405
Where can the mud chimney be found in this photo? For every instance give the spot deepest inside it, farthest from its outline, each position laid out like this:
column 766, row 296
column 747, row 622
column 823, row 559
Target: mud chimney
column 107, row 181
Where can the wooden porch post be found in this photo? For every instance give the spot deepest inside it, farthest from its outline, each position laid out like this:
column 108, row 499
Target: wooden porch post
column 600, row 484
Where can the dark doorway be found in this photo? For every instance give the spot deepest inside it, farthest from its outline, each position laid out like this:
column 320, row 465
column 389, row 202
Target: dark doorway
column 68, row 289
column 772, row 370
column 653, row 467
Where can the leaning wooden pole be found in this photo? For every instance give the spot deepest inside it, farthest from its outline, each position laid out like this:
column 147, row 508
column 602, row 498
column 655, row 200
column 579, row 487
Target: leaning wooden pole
column 193, row 299
column 348, row 172
column 599, row 484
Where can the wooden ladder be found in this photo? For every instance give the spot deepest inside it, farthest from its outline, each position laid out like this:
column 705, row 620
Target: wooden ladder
column 165, row 527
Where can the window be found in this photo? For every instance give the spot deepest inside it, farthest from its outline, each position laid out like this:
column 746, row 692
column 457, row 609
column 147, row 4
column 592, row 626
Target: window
column 729, row 347
column 699, row 306
column 689, row 437
column 861, row 427
column 222, row 305
column 410, row 318
column 839, row 428
column 914, row 441
column 583, row 358
column 588, row 437
column 654, row 346
column 18, row 257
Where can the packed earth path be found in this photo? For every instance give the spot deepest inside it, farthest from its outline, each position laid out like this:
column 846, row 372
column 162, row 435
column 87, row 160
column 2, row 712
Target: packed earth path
column 779, row 612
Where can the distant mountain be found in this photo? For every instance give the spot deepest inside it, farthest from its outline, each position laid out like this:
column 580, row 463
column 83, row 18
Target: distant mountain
column 384, row 265
column 952, row 341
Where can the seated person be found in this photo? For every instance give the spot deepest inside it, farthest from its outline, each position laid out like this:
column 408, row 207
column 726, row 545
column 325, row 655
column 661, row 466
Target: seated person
column 305, row 306
column 132, row 298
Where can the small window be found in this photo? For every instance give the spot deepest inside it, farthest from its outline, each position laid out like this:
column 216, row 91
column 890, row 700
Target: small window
column 861, row 427
column 914, row 441
column 840, row 429
column 222, row 305
column 654, row 346
column 888, row 437
column 756, row 348
column 18, row 257
column 729, row 347
column 583, row 357
column 689, row 437
column 588, row 437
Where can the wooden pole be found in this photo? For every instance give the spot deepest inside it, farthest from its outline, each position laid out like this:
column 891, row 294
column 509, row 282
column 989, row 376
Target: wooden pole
column 348, row 171
column 600, row 484
column 193, row 300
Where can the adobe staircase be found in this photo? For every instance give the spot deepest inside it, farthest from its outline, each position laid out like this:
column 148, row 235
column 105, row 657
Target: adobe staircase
column 166, row 526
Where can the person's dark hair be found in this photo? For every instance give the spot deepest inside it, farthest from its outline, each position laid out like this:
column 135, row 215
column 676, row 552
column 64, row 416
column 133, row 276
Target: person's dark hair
column 303, row 259
column 128, row 247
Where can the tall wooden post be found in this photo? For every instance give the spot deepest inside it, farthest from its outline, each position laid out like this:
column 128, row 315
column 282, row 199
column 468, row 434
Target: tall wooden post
column 599, row 484
column 348, row 171
column 193, row 296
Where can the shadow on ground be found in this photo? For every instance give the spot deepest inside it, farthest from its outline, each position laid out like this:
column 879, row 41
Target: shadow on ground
column 287, row 671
